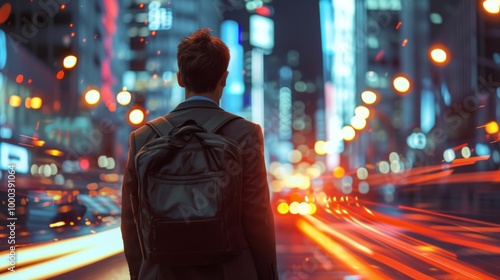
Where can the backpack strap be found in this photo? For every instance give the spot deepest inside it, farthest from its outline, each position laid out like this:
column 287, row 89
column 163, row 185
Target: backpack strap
column 218, row 120
column 161, row 126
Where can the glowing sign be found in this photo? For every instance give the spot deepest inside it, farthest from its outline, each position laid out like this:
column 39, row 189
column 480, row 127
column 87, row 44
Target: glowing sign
column 230, row 32
column 393, row 5
column 427, row 111
column 14, row 155
column 416, row 140
column 5, row 132
column 3, row 49
column 261, row 32
column 159, row 18
column 326, row 19
column 285, row 113
column 232, row 99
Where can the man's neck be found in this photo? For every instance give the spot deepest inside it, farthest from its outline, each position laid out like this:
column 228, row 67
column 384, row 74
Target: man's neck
column 210, row 95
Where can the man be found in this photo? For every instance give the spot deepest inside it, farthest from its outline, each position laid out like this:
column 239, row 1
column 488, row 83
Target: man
column 203, row 60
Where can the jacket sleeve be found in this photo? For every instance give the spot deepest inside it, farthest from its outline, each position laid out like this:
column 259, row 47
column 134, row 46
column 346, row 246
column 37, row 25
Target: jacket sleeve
column 128, row 228
column 258, row 220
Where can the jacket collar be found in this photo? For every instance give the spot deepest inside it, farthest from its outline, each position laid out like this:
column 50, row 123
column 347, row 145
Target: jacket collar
column 196, row 104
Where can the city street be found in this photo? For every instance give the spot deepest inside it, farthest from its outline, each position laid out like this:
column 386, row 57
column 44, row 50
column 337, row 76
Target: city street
column 346, row 238
column 375, row 123
column 368, row 242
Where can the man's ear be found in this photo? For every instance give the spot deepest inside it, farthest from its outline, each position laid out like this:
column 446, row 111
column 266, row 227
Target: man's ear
column 223, row 79
column 179, row 80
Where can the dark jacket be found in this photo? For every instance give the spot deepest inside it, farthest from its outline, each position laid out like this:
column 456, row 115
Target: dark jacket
column 258, row 222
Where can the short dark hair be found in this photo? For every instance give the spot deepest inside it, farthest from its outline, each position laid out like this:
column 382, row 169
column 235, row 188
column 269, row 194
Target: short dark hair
column 202, row 60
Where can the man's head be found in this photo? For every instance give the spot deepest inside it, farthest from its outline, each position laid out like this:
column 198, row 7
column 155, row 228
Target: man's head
column 202, row 60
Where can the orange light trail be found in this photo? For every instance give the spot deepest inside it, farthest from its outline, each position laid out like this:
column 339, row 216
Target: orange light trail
column 325, row 228
column 428, row 177
column 319, row 225
column 446, row 237
column 338, row 252
column 447, row 216
column 444, row 263
column 468, row 161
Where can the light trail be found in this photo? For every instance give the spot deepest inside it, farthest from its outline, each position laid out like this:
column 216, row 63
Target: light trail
column 51, row 259
column 325, row 228
column 338, row 252
column 451, row 266
column 434, row 213
column 380, row 257
column 414, row 175
column 435, row 234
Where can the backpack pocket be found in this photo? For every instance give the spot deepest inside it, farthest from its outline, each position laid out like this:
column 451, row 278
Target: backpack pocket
column 199, row 237
column 185, row 198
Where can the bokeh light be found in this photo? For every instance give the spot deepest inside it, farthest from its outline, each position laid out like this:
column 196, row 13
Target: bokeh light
column 369, row 97
column 358, row 122
column 491, row 127
column 338, row 172
column 319, row 147
column 36, row 103
column 136, row 116
column 294, row 156
column 304, row 208
column 384, row 167
column 124, row 97
column 465, row 151
column 401, row 84
column 92, row 96
column 60, row 75
column 69, row 61
column 395, row 166
column 84, row 164
column 393, row 156
column 491, row 6
column 27, row 102
column 363, row 187
column 362, row 111
column 294, row 207
column 15, row 101
column 449, row 155
column 362, row 173
column 348, row 133
column 439, row 55
column 282, row 208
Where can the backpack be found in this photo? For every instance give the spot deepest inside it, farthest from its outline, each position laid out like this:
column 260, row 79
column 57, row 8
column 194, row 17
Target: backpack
column 189, row 193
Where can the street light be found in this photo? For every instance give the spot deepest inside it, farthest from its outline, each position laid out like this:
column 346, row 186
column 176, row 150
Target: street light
column 338, row 172
column 438, row 55
column 92, row 97
column 401, row 84
column 136, row 116
column 15, row 101
column 362, row 111
column 124, row 97
column 492, row 6
column 69, row 61
column 319, row 147
column 348, row 133
column 36, row 103
column 358, row 122
column 491, row 127
column 369, row 97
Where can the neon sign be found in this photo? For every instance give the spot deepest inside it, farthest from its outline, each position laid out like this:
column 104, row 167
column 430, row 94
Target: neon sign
column 14, row 155
column 159, row 18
